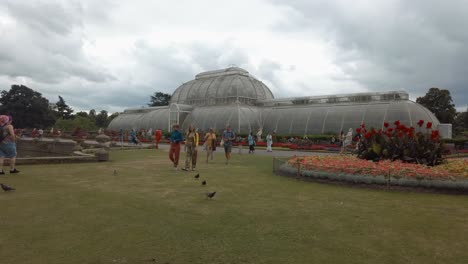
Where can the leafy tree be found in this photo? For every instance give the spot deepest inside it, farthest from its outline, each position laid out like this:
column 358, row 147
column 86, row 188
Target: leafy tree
column 92, row 115
column 440, row 103
column 28, row 107
column 460, row 124
column 63, row 110
column 160, row 99
column 111, row 117
column 82, row 114
column 101, row 119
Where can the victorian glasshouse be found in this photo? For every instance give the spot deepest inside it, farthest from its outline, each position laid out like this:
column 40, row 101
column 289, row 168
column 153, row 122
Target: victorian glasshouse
column 232, row 96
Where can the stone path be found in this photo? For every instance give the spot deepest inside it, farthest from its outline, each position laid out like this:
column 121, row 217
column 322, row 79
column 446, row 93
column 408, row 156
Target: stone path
column 245, row 151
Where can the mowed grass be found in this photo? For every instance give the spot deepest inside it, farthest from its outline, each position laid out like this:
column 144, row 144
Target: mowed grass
column 82, row 213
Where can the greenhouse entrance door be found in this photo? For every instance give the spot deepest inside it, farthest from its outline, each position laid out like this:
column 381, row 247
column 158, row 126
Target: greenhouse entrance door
column 177, row 114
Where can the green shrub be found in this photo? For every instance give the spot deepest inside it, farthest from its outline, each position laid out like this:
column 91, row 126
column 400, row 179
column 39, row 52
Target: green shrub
column 456, row 141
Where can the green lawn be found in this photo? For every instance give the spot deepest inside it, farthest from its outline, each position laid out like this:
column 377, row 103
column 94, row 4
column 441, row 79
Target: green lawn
column 82, row 213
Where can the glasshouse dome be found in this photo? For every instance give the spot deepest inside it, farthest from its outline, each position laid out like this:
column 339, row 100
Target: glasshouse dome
column 222, row 87
column 232, row 96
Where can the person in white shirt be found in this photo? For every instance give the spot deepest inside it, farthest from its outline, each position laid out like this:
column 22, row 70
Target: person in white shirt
column 269, row 140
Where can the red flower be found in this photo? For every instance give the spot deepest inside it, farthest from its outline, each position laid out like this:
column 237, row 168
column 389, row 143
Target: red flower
column 401, row 127
column 363, row 125
column 397, row 123
column 358, row 130
column 429, row 125
column 385, row 124
column 368, row 135
column 400, row 135
column 420, row 123
column 390, row 130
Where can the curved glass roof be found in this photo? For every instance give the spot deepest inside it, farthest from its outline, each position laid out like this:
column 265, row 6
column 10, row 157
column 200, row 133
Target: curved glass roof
column 285, row 120
column 232, row 96
column 222, row 87
column 323, row 119
column 154, row 117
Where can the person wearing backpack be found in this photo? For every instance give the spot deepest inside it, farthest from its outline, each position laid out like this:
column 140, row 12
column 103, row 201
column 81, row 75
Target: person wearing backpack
column 7, row 143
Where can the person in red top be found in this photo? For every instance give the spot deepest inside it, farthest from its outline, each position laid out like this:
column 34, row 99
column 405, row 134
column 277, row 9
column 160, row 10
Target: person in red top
column 34, row 133
column 157, row 137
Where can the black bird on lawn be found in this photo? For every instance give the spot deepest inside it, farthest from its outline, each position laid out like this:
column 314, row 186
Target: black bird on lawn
column 197, row 176
column 210, row 195
column 203, row 183
column 115, row 172
column 7, row 188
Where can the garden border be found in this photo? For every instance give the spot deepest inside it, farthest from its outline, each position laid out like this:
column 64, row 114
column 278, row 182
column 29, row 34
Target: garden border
column 282, row 168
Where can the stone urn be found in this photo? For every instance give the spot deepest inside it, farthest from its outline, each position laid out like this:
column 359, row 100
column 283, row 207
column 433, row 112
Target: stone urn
column 79, row 142
column 103, row 140
column 102, row 153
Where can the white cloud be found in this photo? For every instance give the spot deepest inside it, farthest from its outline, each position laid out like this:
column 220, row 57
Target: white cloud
column 384, row 45
column 113, row 55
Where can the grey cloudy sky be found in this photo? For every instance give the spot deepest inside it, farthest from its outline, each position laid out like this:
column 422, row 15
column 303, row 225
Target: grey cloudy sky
column 113, row 55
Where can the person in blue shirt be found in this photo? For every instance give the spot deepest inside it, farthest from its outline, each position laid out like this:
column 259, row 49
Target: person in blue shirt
column 175, row 140
column 228, row 137
column 133, row 137
column 251, row 143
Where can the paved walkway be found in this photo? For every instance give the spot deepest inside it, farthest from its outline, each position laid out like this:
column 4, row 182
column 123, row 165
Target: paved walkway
column 235, row 150
column 245, row 151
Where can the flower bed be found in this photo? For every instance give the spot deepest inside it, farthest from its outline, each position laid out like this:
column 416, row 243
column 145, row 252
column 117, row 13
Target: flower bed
column 451, row 175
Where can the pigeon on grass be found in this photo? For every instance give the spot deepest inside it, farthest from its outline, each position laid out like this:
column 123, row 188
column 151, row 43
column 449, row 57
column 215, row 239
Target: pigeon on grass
column 210, row 195
column 203, row 183
column 7, row 188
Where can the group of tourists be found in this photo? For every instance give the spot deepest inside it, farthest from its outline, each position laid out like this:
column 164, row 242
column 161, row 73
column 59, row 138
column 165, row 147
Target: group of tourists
column 192, row 139
column 37, row 133
column 134, row 136
column 253, row 142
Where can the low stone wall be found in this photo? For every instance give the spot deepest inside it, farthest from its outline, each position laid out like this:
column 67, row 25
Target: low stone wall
column 28, row 147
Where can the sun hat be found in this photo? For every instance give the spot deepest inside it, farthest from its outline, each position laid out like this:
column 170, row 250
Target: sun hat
column 4, row 119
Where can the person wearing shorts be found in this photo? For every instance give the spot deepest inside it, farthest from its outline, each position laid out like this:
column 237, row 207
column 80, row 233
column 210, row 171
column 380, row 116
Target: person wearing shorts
column 210, row 142
column 8, row 145
column 228, row 137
